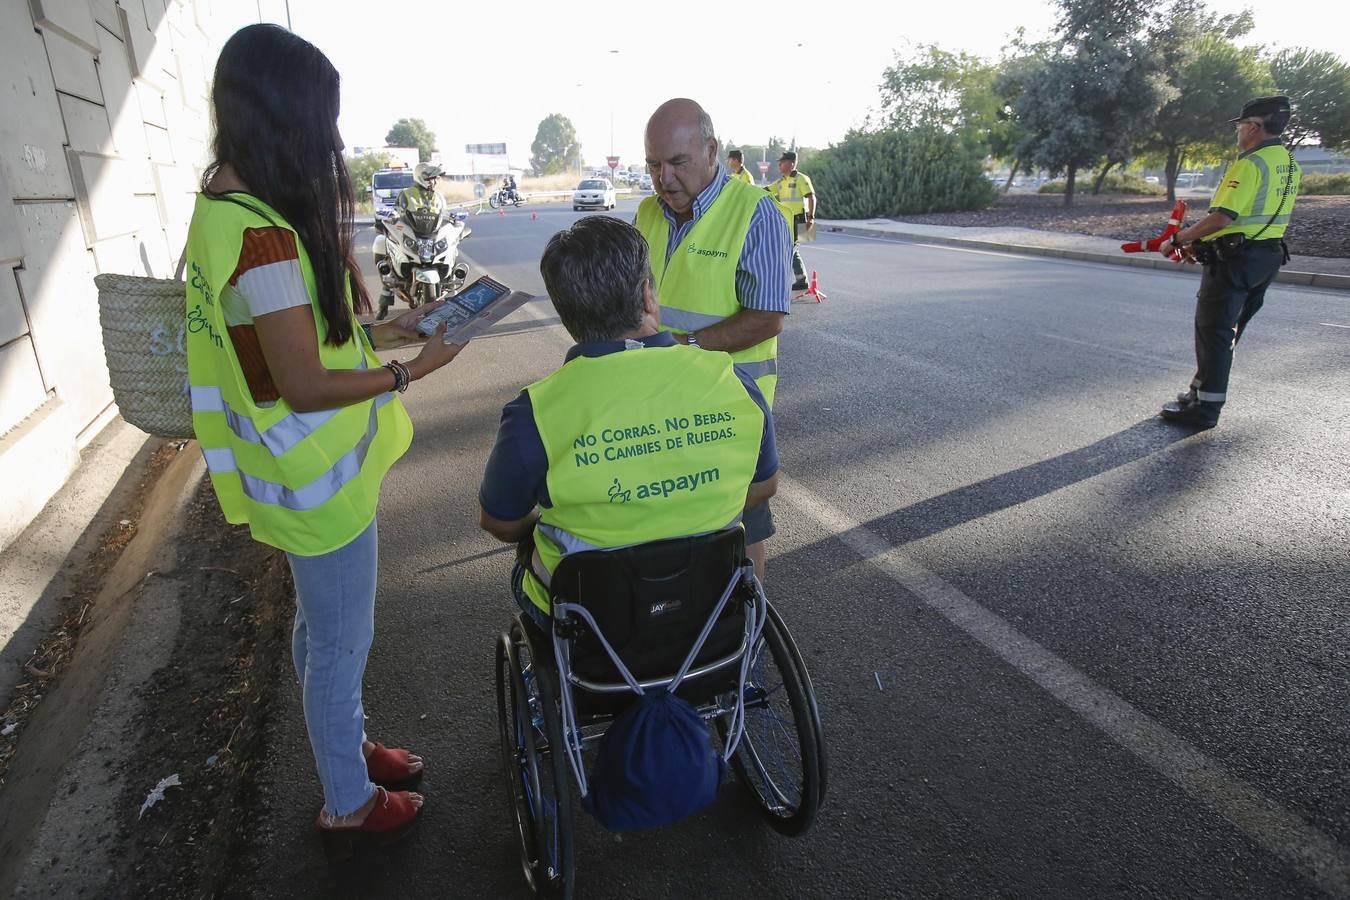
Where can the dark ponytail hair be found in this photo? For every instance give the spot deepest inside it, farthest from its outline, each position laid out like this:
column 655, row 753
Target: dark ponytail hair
column 275, row 105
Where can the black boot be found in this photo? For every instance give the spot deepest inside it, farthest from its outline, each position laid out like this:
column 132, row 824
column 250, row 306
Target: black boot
column 1197, row 414
column 386, row 301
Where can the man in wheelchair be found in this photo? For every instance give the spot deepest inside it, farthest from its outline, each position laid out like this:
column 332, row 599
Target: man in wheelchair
column 636, row 438
column 623, row 476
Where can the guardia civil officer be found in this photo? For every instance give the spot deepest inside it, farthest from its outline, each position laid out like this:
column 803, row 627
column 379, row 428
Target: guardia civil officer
column 797, row 197
column 1241, row 245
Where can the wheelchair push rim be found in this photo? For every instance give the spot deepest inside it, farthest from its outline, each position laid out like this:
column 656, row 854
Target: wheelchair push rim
column 538, row 792
column 780, row 758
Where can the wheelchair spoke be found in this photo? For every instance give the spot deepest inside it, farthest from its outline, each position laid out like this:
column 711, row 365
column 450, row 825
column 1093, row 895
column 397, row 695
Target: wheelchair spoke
column 770, row 744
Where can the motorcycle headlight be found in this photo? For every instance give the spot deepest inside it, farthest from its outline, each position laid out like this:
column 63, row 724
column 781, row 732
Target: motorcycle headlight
column 409, row 243
column 424, row 247
column 441, row 245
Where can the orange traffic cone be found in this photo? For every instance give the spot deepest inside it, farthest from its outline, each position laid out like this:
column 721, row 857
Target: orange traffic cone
column 501, row 210
column 534, row 217
column 813, row 291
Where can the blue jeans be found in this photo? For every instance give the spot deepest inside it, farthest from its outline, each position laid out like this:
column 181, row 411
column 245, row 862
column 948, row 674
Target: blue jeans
column 334, row 627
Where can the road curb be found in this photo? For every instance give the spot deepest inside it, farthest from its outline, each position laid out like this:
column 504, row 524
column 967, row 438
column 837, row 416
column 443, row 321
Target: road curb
column 1136, row 261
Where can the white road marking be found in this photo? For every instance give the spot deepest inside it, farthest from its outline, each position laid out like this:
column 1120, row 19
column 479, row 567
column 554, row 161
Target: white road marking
column 1333, row 325
column 1157, row 360
column 1280, row 831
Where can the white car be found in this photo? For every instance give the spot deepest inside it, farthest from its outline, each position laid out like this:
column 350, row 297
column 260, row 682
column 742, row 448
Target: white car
column 645, row 182
column 594, row 193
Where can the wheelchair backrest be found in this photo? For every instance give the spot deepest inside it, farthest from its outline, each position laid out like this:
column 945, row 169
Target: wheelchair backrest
column 651, row 601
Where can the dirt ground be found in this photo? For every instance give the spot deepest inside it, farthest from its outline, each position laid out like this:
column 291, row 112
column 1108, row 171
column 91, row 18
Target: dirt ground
column 200, row 715
column 1320, row 227
column 203, row 715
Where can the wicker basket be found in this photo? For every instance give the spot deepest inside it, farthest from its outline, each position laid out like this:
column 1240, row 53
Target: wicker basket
column 144, row 335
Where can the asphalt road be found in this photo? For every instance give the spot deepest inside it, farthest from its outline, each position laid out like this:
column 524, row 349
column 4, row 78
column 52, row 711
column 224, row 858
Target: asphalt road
column 1061, row 648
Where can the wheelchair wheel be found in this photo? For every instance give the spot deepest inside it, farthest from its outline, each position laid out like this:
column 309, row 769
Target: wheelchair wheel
column 538, row 794
column 781, row 757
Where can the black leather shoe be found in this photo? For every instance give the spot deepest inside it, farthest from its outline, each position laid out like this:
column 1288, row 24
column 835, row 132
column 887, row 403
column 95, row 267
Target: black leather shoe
column 1193, row 414
column 1186, row 397
column 800, row 286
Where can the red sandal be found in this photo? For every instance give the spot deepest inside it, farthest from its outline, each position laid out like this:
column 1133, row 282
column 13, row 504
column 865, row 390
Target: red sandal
column 389, row 819
column 388, row 767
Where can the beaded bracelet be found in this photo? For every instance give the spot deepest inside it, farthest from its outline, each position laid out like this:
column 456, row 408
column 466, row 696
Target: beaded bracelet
column 400, row 371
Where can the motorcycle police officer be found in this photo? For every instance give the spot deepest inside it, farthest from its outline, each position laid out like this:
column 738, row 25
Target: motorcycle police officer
column 421, row 195
column 1241, row 245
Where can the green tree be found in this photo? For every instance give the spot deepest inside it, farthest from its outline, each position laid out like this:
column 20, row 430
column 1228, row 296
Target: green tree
column 932, row 85
column 1212, row 80
column 555, row 145
column 1318, row 85
column 360, row 168
column 412, row 133
column 1097, row 95
column 1009, row 138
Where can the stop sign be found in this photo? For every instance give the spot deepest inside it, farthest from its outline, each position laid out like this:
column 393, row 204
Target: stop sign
column 763, row 167
column 613, row 161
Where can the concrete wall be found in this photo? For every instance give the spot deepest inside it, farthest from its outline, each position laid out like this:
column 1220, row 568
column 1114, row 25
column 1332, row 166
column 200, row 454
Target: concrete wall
column 104, row 132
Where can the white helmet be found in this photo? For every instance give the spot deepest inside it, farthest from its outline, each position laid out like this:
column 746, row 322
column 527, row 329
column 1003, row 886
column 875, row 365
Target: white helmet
column 425, row 172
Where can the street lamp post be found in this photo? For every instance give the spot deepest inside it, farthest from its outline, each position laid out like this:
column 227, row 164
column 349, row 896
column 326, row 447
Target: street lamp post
column 612, row 53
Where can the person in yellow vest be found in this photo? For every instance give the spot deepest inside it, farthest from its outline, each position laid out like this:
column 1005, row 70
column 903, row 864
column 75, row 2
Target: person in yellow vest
column 795, row 193
column 1241, row 244
column 736, row 167
column 296, row 418
column 636, row 438
column 422, row 195
column 719, row 250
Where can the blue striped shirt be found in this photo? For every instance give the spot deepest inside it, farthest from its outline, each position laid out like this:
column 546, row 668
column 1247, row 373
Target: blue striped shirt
column 764, row 271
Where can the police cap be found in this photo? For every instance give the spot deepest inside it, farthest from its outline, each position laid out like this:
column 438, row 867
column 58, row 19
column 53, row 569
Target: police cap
column 1276, row 107
column 788, row 156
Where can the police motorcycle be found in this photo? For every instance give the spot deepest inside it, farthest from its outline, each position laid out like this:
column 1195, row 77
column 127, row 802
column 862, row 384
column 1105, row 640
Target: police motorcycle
column 504, row 197
column 417, row 255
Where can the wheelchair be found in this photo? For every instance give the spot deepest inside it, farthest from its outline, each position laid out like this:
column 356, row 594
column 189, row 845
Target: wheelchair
column 688, row 612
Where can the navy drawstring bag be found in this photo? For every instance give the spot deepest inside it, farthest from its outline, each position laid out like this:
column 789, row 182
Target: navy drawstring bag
column 656, row 765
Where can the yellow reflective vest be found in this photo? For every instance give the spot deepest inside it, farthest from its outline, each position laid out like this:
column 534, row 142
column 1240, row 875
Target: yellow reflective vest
column 306, row 483
column 1259, row 189
column 697, row 287
column 743, row 175
column 790, row 192
column 642, row 444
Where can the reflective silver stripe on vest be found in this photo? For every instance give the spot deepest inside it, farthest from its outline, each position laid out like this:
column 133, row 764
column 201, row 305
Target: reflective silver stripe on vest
column 759, row 369
column 569, row 543
column 1262, row 189
column 685, row 320
column 317, row 492
column 1282, row 219
column 280, row 437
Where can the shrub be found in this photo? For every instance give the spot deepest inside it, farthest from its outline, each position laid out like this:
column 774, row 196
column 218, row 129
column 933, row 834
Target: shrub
column 894, row 172
column 1115, row 183
column 1325, row 184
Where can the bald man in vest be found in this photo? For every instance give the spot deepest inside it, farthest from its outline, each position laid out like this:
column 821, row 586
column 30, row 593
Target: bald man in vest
column 721, row 259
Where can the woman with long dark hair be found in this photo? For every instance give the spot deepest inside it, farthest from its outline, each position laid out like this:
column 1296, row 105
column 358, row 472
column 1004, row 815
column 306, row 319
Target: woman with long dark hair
column 297, row 419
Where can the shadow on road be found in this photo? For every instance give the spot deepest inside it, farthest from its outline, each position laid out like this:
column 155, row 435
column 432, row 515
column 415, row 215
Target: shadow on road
column 974, row 501
column 504, row 548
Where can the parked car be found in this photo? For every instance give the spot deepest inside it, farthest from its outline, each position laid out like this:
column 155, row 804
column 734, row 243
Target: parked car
column 594, row 193
column 645, row 182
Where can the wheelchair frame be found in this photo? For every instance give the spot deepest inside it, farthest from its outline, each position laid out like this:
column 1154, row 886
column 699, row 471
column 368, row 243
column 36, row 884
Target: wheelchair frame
column 536, row 718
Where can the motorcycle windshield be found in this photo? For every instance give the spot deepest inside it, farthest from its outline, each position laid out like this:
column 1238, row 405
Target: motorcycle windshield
column 424, row 222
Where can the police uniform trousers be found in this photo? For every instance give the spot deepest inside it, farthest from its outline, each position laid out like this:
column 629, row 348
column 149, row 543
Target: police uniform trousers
column 1231, row 292
column 798, row 268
